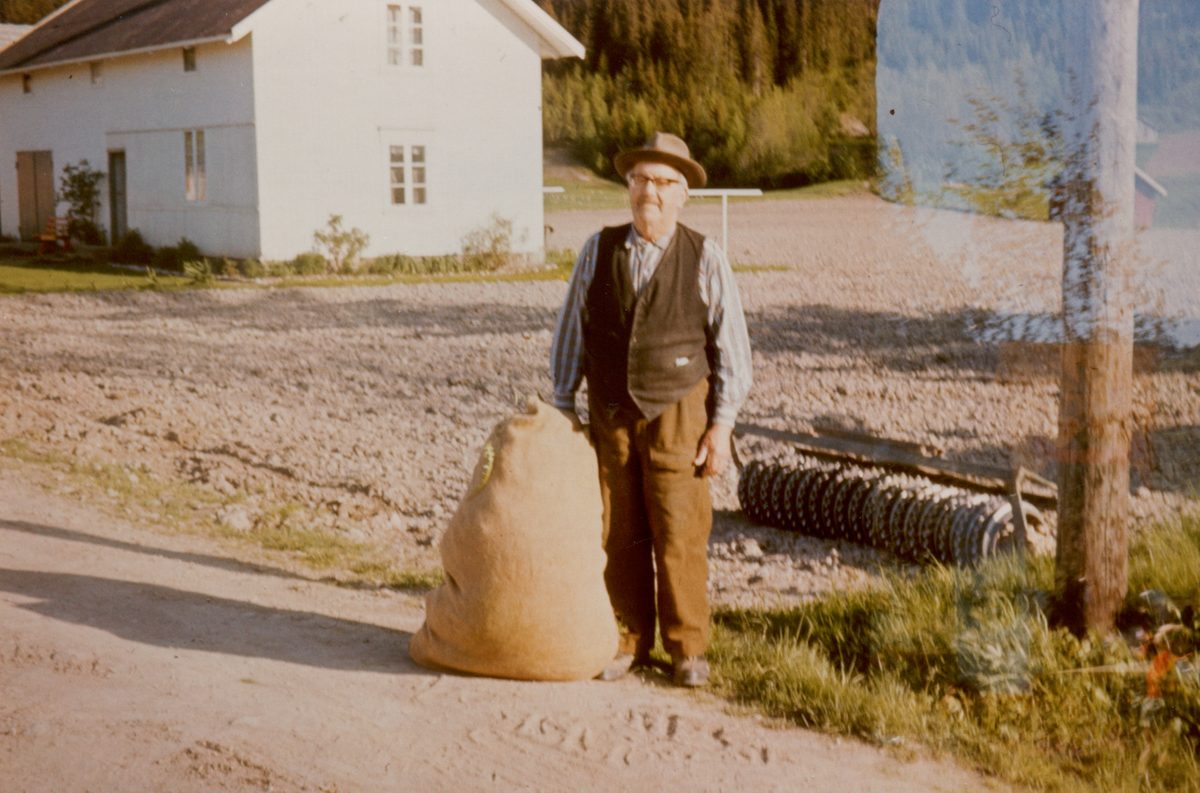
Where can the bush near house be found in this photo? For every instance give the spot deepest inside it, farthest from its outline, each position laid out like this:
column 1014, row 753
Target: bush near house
column 489, row 247
column 79, row 187
column 132, row 249
column 251, row 268
column 308, row 263
column 400, row 264
column 342, row 247
column 173, row 257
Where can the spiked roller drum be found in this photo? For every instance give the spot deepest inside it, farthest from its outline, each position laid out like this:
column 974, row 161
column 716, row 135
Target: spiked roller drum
column 910, row 516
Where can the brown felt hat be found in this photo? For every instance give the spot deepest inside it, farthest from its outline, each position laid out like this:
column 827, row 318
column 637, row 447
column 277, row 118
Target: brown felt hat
column 665, row 148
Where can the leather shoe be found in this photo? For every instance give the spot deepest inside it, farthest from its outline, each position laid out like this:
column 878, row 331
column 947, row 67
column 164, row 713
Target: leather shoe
column 617, row 668
column 691, row 672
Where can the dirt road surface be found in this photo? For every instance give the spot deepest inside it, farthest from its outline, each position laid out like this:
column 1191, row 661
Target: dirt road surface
column 137, row 661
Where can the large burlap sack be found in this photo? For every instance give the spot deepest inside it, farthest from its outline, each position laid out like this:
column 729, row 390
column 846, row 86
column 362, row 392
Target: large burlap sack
column 524, row 595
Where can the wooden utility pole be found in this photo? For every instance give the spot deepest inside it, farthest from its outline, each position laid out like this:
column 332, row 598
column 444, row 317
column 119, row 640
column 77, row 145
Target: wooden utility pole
column 1095, row 407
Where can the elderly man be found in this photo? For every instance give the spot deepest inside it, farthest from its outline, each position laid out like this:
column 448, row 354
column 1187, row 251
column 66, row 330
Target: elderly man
column 653, row 320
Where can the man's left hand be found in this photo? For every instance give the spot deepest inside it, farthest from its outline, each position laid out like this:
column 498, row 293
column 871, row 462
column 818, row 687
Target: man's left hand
column 714, row 453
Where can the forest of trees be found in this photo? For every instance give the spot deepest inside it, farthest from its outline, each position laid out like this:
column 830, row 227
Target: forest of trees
column 26, row 12
column 766, row 92
column 783, row 92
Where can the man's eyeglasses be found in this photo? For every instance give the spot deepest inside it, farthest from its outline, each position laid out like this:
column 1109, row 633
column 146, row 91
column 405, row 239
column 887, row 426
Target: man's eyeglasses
column 660, row 183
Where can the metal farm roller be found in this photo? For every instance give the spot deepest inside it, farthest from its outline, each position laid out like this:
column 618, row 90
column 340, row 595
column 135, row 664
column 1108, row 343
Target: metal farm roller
column 890, row 495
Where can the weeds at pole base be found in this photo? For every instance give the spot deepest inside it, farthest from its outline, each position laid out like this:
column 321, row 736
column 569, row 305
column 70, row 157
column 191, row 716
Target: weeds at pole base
column 962, row 662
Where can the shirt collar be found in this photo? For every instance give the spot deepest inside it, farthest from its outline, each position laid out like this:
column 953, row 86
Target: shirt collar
column 633, row 239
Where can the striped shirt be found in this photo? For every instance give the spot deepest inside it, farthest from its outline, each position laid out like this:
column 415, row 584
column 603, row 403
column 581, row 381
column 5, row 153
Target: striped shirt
column 718, row 291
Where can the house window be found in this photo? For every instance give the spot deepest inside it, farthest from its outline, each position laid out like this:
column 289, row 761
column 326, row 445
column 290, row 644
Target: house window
column 407, row 174
column 416, row 36
column 27, row 83
column 193, row 158
column 189, row 59
column 405, row 28
column 97, row 73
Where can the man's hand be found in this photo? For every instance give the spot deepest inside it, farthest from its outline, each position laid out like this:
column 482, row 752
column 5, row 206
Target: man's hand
column 714, row 452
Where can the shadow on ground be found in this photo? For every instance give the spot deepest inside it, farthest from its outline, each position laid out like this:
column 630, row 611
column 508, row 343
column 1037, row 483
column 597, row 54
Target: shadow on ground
column 970, row 341
column 176, row 619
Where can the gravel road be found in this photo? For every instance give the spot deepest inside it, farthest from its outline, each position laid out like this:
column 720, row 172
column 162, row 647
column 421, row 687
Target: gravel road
column 366, row 406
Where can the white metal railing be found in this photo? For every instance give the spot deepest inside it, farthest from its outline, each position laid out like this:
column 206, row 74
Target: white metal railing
column 709, row 192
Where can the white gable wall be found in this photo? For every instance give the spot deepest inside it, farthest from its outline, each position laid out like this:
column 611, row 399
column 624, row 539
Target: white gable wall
column 142, row 106
column 329, row 106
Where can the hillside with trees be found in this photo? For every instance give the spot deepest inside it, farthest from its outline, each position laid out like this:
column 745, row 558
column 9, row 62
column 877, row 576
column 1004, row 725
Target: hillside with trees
column 26, row 12
column 766, row 92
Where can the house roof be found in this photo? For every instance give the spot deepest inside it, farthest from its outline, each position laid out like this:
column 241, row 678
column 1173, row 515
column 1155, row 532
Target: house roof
column 88, row 29
column 10, row 33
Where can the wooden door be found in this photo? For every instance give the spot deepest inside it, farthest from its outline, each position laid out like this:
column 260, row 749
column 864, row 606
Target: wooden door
column 35, row 191
column 118, row 218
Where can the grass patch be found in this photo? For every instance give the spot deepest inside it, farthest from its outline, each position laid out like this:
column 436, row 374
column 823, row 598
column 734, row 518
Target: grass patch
column 596, row 194
column 291, row 530
column 963, row 661
column 18, row 276
column 21, row 276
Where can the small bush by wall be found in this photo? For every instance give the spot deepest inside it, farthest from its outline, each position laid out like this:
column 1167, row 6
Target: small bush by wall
column 490, row 247
column 173, row 257
column 341, row 246
column 401, row 264
column 251, row 268
column 277, row 269
column 132, row 249
column 310, row 264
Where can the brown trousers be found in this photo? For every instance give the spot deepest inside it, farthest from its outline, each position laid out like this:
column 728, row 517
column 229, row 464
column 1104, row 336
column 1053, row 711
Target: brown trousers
column 657, row 518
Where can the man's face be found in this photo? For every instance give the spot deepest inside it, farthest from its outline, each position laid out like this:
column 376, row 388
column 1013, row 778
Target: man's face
column 656, row 194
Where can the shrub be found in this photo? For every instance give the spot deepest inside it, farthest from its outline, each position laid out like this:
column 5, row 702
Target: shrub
column 174, row 257
column 561, row 259
column 310, row 263
column 279, row 269
column 342, row 246
column 79, row 188
column 187, row 249
column 401, row 264
column 251, row 268
column 489, row 247
column 200, row 271
column 86, row 231
column 132, row 249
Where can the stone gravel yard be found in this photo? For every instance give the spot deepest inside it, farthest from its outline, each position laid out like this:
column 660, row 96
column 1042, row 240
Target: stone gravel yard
column 364, row 407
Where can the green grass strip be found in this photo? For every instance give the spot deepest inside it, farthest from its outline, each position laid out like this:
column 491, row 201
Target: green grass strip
column 964, row 662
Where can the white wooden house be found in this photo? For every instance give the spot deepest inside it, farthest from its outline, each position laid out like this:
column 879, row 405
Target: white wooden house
column 242, row 125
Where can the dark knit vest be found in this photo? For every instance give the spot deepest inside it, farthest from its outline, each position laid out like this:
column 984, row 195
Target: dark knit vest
column 646, row 352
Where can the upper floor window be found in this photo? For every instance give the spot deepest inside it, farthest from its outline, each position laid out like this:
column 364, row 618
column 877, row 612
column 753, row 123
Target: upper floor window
column 405, row 36
column 97, row 72
column 193, row 159
column 189, row 59
column 27, row 83
column 407, row 174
